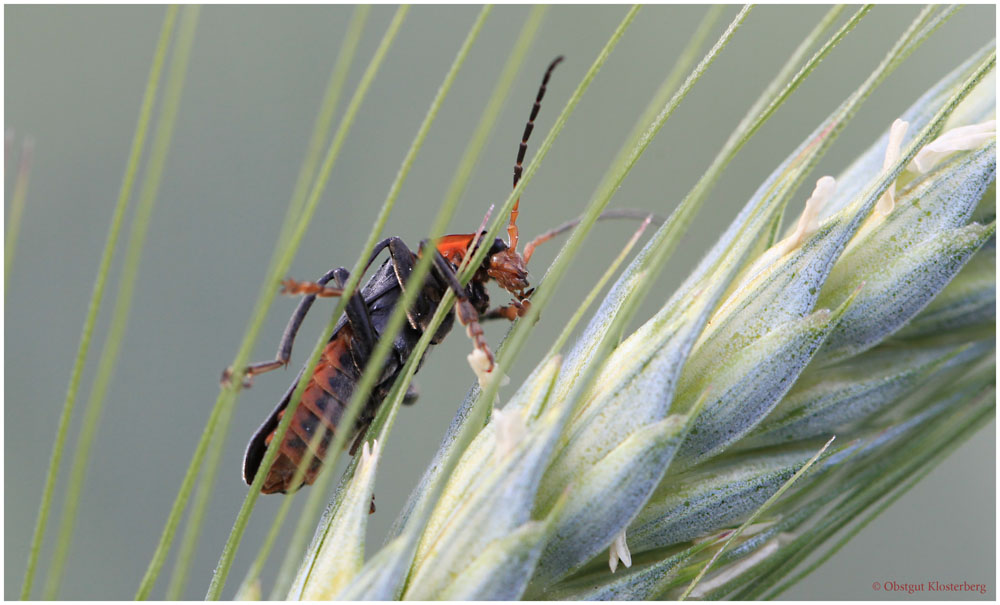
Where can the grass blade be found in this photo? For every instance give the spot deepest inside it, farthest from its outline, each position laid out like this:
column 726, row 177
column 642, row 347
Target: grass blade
column 668, row 236
column 17, row 206
column 138, row 141
column 126, row 289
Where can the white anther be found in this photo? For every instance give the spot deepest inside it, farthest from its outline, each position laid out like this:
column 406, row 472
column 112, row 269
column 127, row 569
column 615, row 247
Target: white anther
column 480, row 364
column 809, row 219
column 369, row 453
column 963, row 138
column 618, row 551
column 892, row 152
column 510, row 430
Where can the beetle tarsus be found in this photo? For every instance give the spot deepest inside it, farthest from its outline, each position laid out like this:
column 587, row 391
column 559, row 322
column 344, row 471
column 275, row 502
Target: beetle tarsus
column 292, row 287
column 469, row 318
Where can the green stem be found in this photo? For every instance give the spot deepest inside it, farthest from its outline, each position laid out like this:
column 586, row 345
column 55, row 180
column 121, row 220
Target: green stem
column 253, row 573
column 227, row 396
column 17, row 206
column 126, row 288
column 932, row 439
column 321, row 127
column 124, row 195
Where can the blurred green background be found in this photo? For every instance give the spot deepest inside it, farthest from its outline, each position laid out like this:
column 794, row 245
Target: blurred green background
column 74, row 81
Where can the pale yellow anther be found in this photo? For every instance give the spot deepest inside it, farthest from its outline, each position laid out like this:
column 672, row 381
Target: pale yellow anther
column 892, row 153
column 480, row 364
column 618, row 551
column 369, row 454
column 809, row 219
column 963, row 138
column 510, row 430
column 807, row 224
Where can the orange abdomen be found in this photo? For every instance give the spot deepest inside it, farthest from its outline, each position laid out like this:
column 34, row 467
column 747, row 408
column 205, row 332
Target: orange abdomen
column 323, row 403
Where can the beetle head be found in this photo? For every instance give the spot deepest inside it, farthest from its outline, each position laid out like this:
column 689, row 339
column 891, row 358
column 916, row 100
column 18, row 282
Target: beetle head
column 507, row 267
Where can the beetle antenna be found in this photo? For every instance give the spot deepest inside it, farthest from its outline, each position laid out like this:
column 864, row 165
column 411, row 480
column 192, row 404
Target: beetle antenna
column 625, row 213
column 512, row 227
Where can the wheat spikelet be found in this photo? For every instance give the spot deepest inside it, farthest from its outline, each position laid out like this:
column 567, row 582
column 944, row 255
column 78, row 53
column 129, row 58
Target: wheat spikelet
column 871, row 319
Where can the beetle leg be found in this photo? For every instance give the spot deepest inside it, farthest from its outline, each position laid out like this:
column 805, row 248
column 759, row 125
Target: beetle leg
column 518, row 307
column 365, row 336
column 509, row 312
column 292, row 287
column 469, row 318
column 287, row 339
column 317, row 288
column 359, row 439
column 403, row 262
